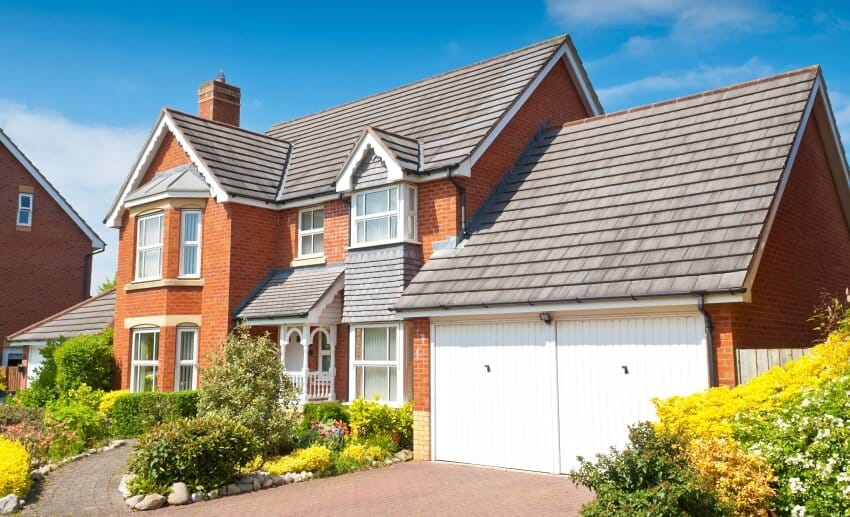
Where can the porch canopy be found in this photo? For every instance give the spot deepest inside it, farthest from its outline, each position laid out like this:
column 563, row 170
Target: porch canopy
column 306, row 303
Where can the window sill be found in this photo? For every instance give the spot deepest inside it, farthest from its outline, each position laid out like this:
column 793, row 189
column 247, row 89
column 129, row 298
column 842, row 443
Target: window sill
column 382, row 243
column 167, row 282
column 23, row 228
column 308, row 261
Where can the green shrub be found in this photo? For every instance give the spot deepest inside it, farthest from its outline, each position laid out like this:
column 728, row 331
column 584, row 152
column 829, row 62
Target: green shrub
column 807, row 443
column 76, row 411
column 357, row 456
column 134, row 413
column 13, row 414
column 372, row 419
column 203, row 452
column 14, row 468
column 650, row 476
column 84, row 359
column 322, row 412
column 245, row 383
column 43, row 389
column 316, row 458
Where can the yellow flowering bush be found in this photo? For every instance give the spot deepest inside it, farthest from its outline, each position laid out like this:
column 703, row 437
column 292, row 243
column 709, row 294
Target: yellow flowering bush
column 710, row 413
column 14, row 468
column 315, row 458
column 741, row 482
column 107, row 401
column 362, row 453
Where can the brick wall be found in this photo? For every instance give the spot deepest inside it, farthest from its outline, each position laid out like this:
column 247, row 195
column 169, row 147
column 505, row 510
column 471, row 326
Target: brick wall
column 42, row 267
column 807, row 253
column 336, row 215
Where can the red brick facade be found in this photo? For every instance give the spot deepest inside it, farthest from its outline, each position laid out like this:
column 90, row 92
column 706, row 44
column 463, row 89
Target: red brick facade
column 44, row 268
column 807, row 253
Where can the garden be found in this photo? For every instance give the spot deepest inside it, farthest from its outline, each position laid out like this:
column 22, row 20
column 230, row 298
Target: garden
column 777, row 445
column 242, row 431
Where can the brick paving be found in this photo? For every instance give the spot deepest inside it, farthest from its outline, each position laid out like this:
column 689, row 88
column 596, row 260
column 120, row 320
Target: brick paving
column 414, row 488
column 88, row 486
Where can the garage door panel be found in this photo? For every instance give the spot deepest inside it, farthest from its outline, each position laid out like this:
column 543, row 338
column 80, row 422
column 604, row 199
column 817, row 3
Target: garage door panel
column 493, row 395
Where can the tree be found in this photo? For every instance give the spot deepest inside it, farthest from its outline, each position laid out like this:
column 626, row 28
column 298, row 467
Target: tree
column 107, row 284
column 245, row 382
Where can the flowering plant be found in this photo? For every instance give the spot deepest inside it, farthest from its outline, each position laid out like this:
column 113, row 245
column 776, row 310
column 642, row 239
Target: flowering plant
column 331, row 434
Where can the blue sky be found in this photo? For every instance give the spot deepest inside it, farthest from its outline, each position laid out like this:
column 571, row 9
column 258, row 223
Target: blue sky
column 80, row 85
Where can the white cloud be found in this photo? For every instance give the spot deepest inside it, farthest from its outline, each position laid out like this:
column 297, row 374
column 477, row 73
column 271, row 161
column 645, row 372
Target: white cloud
column 702, row 78
column 841, row 106
column 86, row 163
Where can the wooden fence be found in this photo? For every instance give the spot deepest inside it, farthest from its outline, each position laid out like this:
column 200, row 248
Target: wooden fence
column 15, row 379
column 755, row 361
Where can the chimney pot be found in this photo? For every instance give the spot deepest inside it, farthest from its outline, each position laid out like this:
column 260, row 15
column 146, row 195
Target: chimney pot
column 219, row 101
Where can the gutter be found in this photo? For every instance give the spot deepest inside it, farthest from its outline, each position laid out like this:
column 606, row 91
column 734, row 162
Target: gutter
column 464, row 232
column 713, row 381
column 88, row 265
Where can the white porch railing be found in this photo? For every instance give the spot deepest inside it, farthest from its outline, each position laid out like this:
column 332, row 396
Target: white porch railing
column 320, row 385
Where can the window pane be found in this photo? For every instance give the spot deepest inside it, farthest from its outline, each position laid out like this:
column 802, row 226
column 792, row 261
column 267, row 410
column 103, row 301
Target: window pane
column 306, row 220
column 149, row 263
column 26, row 201
column 186, row 378
column 375, row 382
column 318, row 218
column 190, row 226
column 190, row 260
column 145, row 378
column 318, row 243
column 376, row 202
column 375, row 344
column 151, row 231
column 391, row 345
column 187, row 345
column 393, row 195
column 377, row 229
column 145, row 346
column 361, row 232
column 326, row 363
column 393, row 227
column 24, row 217
column 306, row 244
column 361, row 204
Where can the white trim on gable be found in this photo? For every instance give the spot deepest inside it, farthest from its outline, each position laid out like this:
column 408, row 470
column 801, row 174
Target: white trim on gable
column 368, row 141
column 96, row 242
column 163, row 125
column 833, row 147
column 564, row 54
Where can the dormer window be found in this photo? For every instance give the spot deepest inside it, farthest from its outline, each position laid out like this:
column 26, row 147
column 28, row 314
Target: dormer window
column 149, row 247
column 25, row 209
column 384, row 215
column 311, row 233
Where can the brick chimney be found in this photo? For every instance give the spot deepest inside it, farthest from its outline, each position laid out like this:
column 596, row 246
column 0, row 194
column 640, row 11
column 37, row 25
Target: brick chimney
column 219, row 101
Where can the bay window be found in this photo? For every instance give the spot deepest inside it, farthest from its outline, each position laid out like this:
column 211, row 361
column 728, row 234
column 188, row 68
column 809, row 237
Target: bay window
column 187, row 358
column 190, row 243
column 311, row 232
column 384, row 215
column 376, row 364
column 145, row 360
column 149, row 247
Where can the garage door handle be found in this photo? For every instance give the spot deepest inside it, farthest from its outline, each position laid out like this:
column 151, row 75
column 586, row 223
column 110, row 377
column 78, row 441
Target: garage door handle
column 487, row 366
column 625, row 369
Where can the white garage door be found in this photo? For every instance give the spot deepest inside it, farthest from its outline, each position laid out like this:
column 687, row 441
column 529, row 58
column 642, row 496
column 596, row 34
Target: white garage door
column 532, row 396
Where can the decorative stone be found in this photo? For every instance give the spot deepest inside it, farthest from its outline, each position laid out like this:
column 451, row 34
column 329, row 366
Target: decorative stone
column 122, row 486
column 151, row 502
column 231, row 489
column 404, row 455
column 133, row 500
column 213, row 494
column 267, row 483
column 9, row 504
column 289, row 478
column 246, row 487
column 179, row 494
column 256, row 483
column 197, row 496
column 278, row 480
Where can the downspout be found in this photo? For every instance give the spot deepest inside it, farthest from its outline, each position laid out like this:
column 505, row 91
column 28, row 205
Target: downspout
column 462, row 192
column 709, row 338
column 88, row 265
column 348, row 232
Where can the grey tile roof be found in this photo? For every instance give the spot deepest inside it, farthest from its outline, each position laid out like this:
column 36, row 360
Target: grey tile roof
column 289, row 292
column 449, row 113
column 87, row 317
column 371, row 172
column 246, row 163
column 184, row 179
column 375, row 279
column 668, row 198
column 405, row 150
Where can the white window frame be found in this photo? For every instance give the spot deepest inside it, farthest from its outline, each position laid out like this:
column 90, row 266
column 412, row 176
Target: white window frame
column 314, row 231
column 145, row 362
column 193, row 362
column 322, row 353
column 405, row 212
column 399, row 362
column 24, row 210
column 195, row 244
column 140, row 249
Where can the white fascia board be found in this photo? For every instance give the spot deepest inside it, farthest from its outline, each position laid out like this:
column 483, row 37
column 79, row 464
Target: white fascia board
column 752, row 271
column 96, row 242
column 29, row 342
column 141, row 166
column 326, row 299
column 166, row 195
column 562, row 54
column 587, row 305
column 368, row 141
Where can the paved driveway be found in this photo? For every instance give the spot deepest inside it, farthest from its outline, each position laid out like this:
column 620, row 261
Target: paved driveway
column 413, row 488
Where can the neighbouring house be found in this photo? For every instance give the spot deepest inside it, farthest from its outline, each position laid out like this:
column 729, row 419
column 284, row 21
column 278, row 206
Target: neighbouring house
column 87, row 317
column 46, row 251
column 487, row 243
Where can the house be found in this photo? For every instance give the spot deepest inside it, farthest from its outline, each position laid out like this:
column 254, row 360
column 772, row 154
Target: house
column 46, row 251
column 487, row 243
column 90, row 316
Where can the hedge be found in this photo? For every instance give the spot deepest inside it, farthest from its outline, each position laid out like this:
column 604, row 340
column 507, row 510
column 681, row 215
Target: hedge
column 134, row 413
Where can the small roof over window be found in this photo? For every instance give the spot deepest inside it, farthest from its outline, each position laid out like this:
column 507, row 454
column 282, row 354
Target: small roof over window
column 183, row 181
